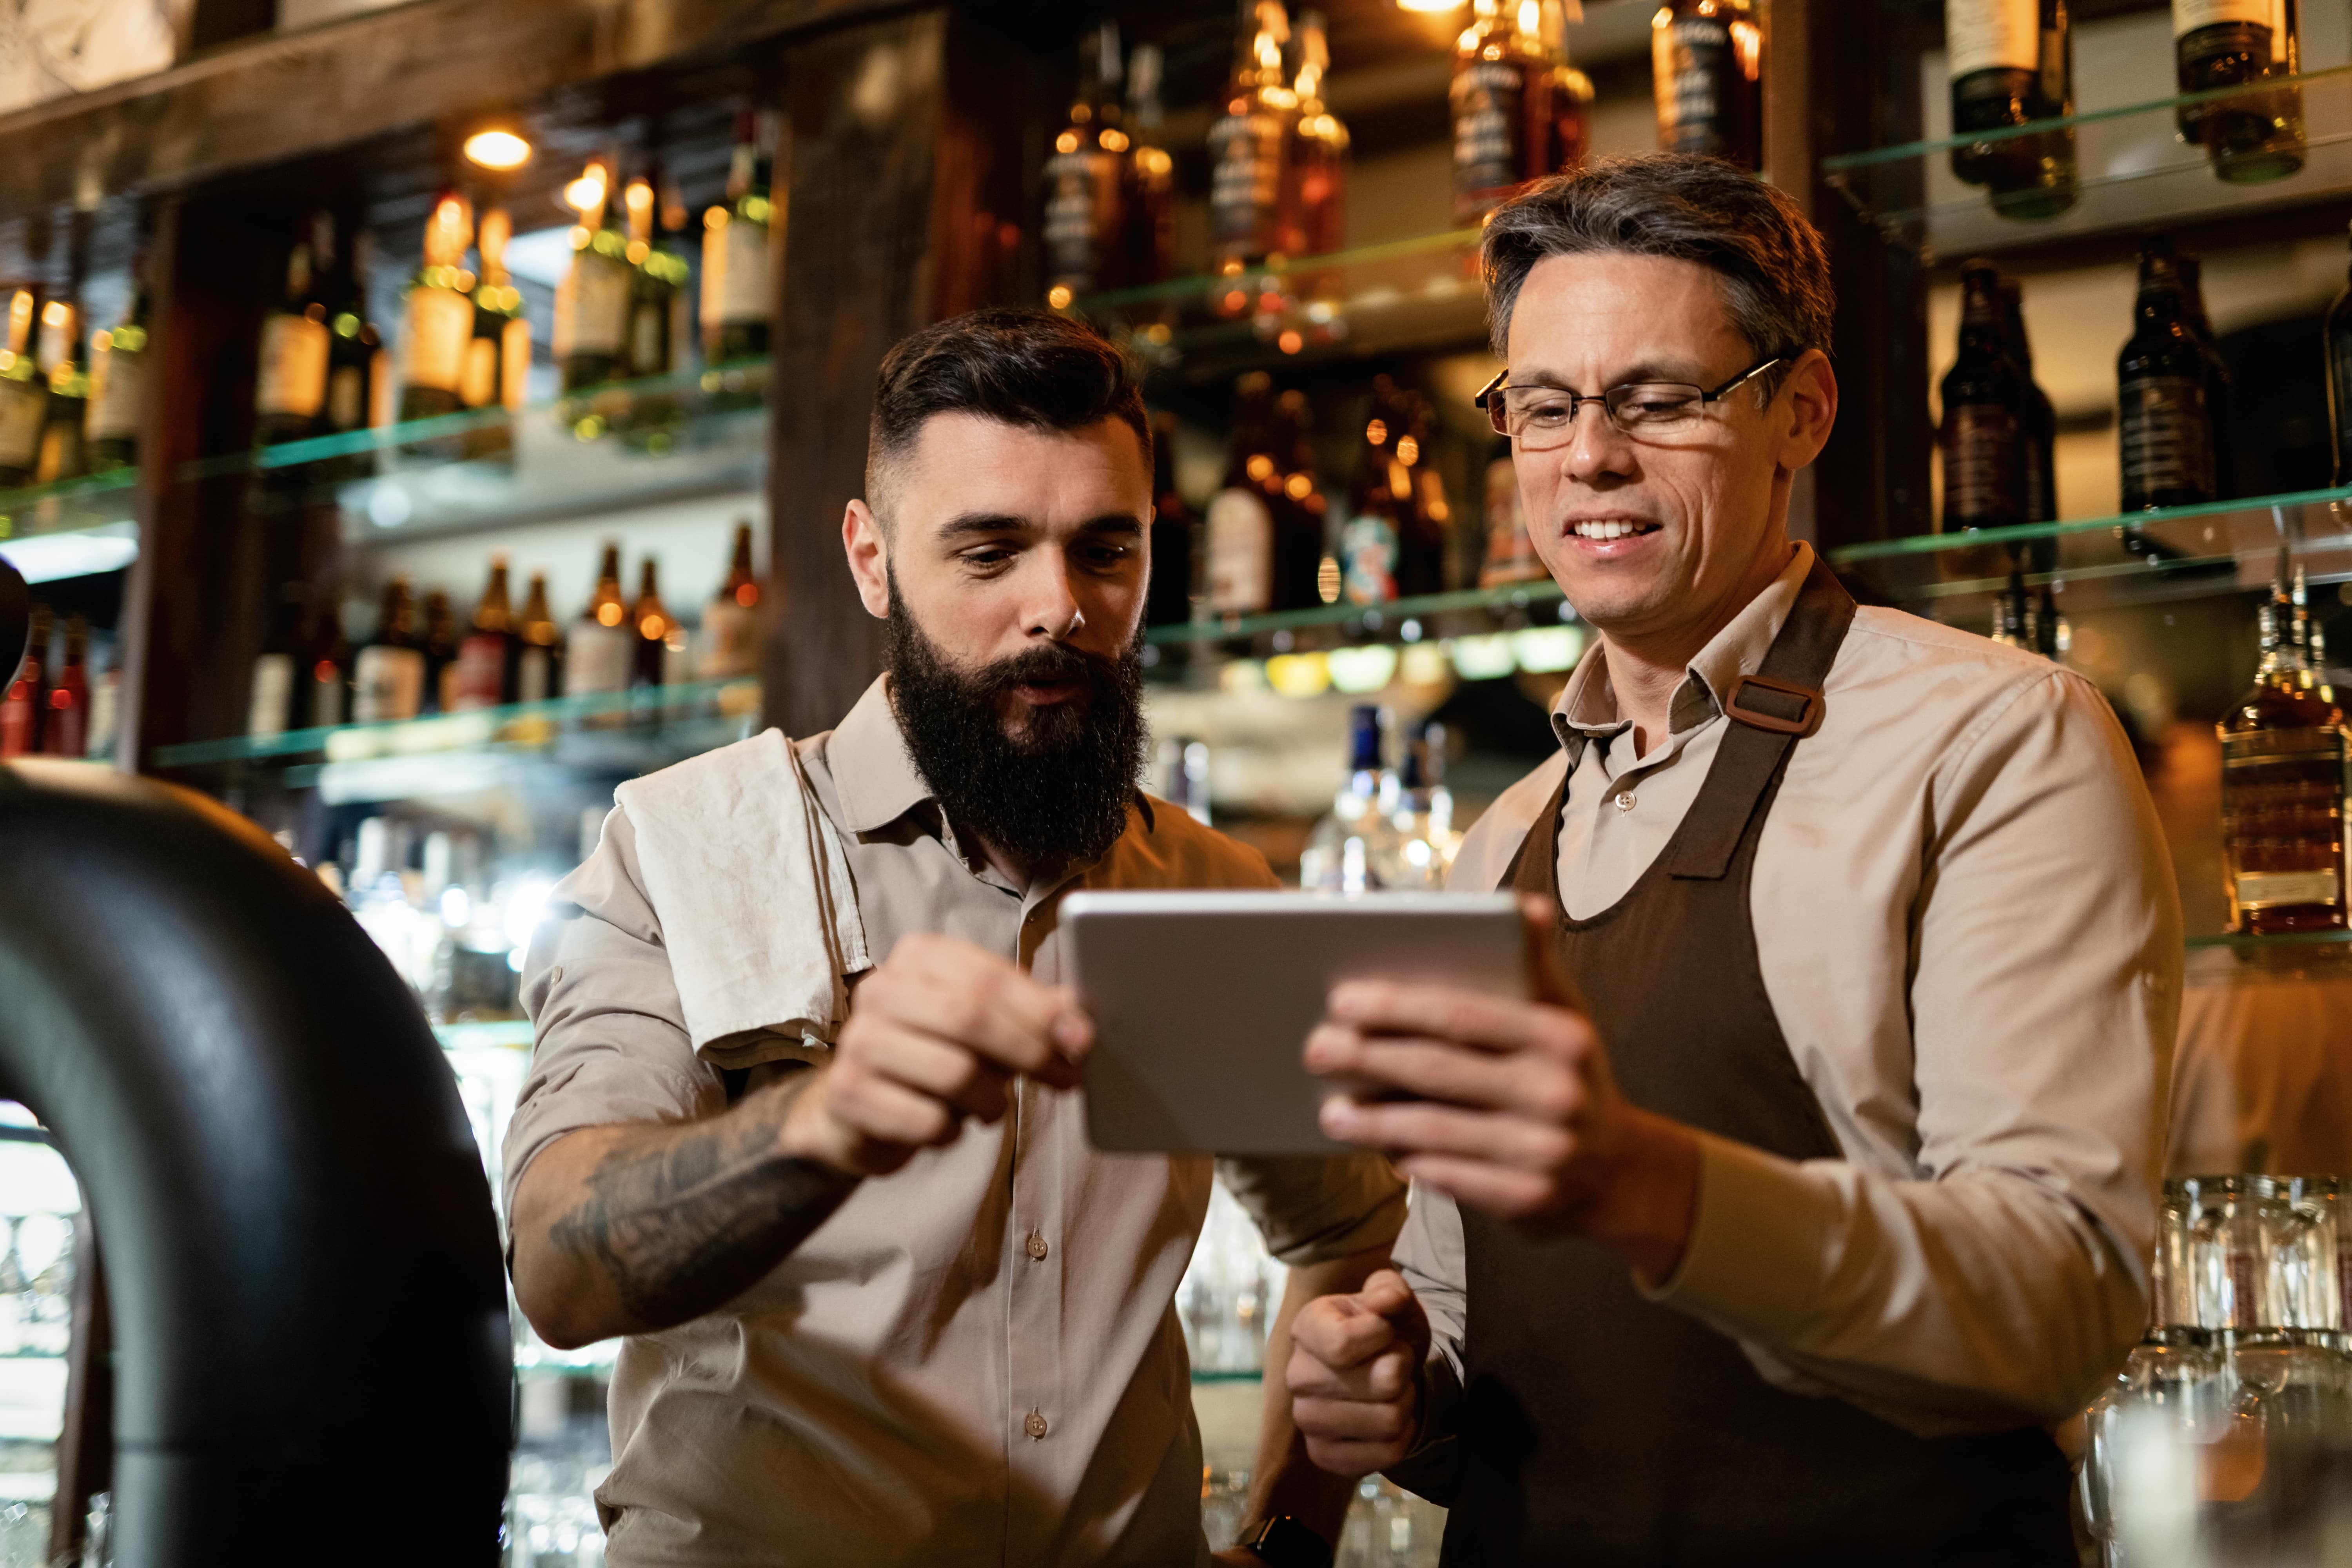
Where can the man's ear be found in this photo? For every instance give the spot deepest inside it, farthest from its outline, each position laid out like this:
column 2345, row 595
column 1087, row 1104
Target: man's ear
column 869, row 558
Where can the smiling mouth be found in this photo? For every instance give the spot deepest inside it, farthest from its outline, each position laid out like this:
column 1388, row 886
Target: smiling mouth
column 1601, row 529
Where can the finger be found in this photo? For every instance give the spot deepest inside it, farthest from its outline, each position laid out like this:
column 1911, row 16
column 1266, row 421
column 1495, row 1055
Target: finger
column 1548, row 977
column 1353, row 1420
column 1338, row 1332
column 1351, row 1460
column 938, row 1068
column 1385, row 1292
column 1419, row 1126
column 1535, row 1083
column 1389, row 1374
column 1499, row 1190
column 870, row 1106
column 1450, row 1013
column 954, row 990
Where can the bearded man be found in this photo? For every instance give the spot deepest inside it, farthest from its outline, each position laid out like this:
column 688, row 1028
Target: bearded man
column 882, row 1302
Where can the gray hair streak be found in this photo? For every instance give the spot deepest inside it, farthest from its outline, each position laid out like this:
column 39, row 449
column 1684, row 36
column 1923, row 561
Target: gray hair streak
column 1776, row 275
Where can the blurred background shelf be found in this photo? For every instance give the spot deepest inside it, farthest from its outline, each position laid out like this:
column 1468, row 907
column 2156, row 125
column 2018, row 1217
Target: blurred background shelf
column 73, row 528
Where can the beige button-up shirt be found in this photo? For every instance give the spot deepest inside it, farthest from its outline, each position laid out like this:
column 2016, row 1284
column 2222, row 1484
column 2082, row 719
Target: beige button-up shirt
column 976, row 1360
column 1966, row 919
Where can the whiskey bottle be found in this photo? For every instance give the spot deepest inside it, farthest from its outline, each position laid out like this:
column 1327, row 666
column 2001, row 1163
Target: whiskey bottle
column 1571, row 91
column 359, row 371
column 735, row 300
column 437, row 323
column 2252, row 136
column 487, row 657
column 1085, row 226
column 327, row 687
column 2336, row 336
column 2220, row 387
column 388, row 676
column 2283, row 759
column 1240, row 546
column 1500, row 102
column 660, row 275
column 1984, row 434
column 2012, row 62
column 1169, row 600
column 65, row 729
column 1249, row 144
column 291, row 387
column 1149, row 200
column 63, row 455
column 603, row 647
column 591, row 304
column 26, row 696
column 117, row 356
column 658, row 656
column 1315, row 189
column 440, row 645
column 1423, row 559
column 2166, row 427
column 497, row 345
column 1379, row 501
column 272, row 703
column 1299, row 511
column 1707, row 60
column 2039, row 421
column 538, row 647
column 730, row 622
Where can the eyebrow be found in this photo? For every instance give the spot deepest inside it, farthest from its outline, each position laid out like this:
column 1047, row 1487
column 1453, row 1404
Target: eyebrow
column 1642, row 370
column 981, row 524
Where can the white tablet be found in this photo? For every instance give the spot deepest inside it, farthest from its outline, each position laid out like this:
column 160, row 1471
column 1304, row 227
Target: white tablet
column 1202, row 1001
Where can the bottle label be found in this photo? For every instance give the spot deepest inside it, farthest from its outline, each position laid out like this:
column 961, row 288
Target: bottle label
column 534, row 672
column 2188, row 15
column 1245, row 179
column 2272, row 889
column 114, row 396
column 1488, row 98
column 1368, row 559
column 481, row 670
column 599, row 317
column 646, row 353
column 293, row 379
column 440, row 326
column 743, row 279
column 603, row 658
column 477, row 382
column 730, row 640
column 1992, row 35
column 273, row 696
column 1240, row 554
column 24, row 410
column 1692, row 63
column 1080, row 217
column 2166, row 444
column 387, row 684
column 347, row 398
column 1981, row 468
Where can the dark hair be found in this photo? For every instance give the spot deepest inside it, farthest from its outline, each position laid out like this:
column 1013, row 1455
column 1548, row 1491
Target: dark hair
column 1776, row 276
column 1023, row 366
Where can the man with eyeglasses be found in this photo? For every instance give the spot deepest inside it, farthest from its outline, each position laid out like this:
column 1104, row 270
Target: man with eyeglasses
column 1816, row 1183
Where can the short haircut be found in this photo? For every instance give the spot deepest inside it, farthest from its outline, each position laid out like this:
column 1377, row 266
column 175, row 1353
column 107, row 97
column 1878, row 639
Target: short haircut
column 1022, row 366
column 1776, row 275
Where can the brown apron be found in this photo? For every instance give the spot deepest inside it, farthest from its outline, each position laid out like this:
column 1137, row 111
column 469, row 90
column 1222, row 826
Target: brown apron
column 1597, row 1428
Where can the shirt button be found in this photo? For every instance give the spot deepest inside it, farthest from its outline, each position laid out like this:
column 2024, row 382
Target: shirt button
column 1037, row 1247
column 1625, row 800
column 556, row 975
column 1034, row 1424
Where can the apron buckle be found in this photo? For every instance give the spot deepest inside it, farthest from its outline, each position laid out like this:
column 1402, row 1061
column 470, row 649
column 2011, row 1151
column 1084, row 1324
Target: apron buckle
column 1775, row 713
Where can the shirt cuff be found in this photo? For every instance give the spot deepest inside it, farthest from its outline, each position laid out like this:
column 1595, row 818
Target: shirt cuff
column 1754, row 1262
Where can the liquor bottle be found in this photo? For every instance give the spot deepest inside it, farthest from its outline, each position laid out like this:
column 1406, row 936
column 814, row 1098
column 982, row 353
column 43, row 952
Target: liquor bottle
column 737, row 301
column 660, row 638
column 65, row 728
column 24, row 393
column 2337, row 334
column 1707, row 58
column 1348, row 848
column 1084, row 226
column 1169, row 601
column 1299, row 511
column 497, row 346
column 1500, row 100
column 2282, row 757
column 388, row 676
column 604, row 648
column 2039, row 422
column 438, row 321
column 1983, row 436
column 326, row 688
column 2012, row 62
column 2166, row 432
column 591, row 305
column 1379, row 500
column 272, row 703
column 660, row 275
column 291, row 389
column 1421, row 841
column 538, row 647
column 358, row 372
column 440, row 645
column 26, row 695
column 1422, row 564
column 1240, row 548
column 1249, row 144
column 1315, row 189
column 1149, row 199
column 2220, row 387
column 1510, row 553
column 487, row 657
column 1571, row 91
column 118, row 358
column 730, row 622
column 2252, row 136
column 63, row 454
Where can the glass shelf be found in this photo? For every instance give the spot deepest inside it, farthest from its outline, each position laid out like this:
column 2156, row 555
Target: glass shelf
column 1477, row 634
column 71, row 528
column 666, row 438
column 2285, row 942
column 2134, row 172
column 2177, row 553
column 1406, row 293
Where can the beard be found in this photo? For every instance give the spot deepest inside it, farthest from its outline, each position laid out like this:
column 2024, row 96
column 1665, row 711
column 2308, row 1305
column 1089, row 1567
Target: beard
column 1057, row 793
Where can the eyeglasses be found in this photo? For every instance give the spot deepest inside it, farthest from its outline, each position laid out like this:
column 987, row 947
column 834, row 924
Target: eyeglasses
column 1541, row 417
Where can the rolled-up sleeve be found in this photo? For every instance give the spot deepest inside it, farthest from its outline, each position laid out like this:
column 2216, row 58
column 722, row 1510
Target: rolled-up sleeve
column 2002, row 1282
column 1311, row 1209
column 611, row 1043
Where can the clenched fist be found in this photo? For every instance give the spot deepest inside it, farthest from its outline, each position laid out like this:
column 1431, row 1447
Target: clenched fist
column 1355, row 1375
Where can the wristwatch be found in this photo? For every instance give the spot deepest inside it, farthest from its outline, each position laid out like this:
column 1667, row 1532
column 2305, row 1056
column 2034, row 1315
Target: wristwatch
column 1284, row 1543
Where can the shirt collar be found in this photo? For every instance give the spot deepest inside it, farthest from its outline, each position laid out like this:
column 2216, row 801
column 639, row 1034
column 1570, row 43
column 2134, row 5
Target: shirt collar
column 1587, row 709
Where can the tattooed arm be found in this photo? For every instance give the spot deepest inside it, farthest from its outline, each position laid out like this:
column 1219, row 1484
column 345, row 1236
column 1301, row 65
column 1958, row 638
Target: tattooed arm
column 629, row 1229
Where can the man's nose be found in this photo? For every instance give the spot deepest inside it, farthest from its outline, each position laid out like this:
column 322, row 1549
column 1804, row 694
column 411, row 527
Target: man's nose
column 1052, row 608
column 1595, row 446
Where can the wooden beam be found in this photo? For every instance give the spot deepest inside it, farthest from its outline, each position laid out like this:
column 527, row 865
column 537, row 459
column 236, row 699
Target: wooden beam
column 249, row 105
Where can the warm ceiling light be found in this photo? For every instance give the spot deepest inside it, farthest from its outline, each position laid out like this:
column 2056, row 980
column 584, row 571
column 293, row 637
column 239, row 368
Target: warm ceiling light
column 1429, row 4
column 496, row 150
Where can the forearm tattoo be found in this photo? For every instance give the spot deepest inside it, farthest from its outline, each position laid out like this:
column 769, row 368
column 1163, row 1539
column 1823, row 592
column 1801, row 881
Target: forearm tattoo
column 695, row 1219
